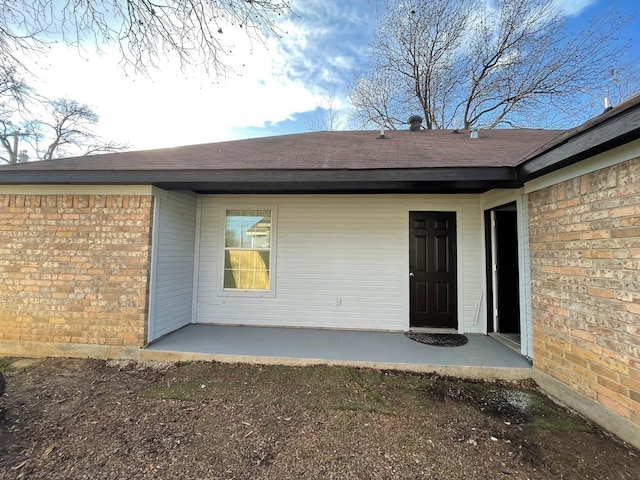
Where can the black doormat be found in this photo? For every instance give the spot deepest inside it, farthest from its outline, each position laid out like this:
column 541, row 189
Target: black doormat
column 438, row 339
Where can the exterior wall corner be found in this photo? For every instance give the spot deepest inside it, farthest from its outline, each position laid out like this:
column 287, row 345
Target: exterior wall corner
column 74, row 269
column 585, row 285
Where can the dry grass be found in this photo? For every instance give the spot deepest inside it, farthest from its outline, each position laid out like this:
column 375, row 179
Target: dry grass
column 77, row 419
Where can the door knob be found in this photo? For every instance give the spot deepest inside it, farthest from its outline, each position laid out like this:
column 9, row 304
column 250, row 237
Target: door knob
column 411, row 274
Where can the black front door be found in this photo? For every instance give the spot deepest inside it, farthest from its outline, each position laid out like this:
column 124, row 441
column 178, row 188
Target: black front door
column 432, row 269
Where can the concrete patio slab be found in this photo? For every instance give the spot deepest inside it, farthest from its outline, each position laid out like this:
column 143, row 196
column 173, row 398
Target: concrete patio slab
column 481, row 357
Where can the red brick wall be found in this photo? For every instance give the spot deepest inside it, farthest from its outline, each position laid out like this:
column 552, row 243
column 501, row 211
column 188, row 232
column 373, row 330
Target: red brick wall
column 74, row 268
column 585, row 274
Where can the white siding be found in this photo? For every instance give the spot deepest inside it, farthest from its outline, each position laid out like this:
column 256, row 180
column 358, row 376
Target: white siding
column 340, row 261
column 174, row 241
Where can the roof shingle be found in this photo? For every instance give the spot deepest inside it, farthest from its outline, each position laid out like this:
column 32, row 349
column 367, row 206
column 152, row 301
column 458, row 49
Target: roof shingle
column 338, row 150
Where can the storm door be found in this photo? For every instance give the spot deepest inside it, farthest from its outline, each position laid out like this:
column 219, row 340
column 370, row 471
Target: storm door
column 432, row 270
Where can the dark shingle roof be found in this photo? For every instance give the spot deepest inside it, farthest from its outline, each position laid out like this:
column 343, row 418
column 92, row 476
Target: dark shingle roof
column 357, row 161
column 351, row 150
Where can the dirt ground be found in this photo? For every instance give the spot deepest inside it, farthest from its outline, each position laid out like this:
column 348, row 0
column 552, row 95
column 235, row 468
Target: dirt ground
column 93, row 419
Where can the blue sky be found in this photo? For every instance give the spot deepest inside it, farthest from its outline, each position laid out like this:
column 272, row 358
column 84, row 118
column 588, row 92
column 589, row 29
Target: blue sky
column 277, row 88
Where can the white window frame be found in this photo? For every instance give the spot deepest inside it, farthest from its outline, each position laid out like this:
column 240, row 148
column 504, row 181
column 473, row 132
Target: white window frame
column 272, row 255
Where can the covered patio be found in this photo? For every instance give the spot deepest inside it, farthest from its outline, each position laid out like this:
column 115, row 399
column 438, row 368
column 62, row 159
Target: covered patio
column 481, row 357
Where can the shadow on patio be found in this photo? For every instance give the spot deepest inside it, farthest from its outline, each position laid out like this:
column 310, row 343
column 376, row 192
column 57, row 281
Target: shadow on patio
column 481, row 357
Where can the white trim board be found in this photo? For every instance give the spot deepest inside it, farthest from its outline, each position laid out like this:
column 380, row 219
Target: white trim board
column 153, row 268
column 196, row 261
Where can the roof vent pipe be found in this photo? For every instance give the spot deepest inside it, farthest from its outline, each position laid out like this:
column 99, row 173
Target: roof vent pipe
column 415, row 123
column 607, row 104
column 474, row 133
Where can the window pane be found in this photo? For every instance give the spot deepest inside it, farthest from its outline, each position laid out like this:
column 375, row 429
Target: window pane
column 229, row 279
column 257, row 229
column 248, row 229
column 246, row 269
column 233, row 231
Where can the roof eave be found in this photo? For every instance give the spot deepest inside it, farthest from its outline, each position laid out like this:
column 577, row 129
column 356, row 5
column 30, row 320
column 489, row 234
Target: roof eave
column 441, row 180
column 600, row 137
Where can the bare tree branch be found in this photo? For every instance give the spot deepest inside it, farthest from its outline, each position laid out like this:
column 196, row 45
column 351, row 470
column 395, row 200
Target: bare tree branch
column 69, row 130
column 145, row 31
column 14, row 93
column 479, row 64
column 326, row 117
column 106, row 147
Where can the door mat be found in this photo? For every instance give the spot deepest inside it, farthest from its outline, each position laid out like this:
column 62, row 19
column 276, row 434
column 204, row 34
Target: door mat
column 438, row 339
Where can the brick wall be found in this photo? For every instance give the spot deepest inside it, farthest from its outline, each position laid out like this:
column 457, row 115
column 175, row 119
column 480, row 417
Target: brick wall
column 585, row 270
column 74, row 268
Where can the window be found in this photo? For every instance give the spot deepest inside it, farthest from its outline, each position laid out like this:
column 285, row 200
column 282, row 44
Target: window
column 247, row 250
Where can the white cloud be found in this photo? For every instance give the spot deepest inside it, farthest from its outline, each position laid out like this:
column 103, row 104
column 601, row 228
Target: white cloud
column 172, row 107
column 573, row 8
column 274, row 81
